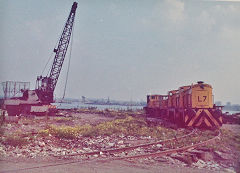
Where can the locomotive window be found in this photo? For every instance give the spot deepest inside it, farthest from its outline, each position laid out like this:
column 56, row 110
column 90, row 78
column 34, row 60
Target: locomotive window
column 153, row 97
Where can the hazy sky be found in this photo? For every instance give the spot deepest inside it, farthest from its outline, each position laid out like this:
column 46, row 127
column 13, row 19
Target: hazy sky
column 126, row 49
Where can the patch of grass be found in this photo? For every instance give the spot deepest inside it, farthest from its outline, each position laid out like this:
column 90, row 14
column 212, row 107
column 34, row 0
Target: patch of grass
column 110, row 112
column 1, row 119
column 230, row 138
column 15, row 141
column 18, row 138
column 227, row 139
column 67, row 132
column 1, row 131
column 63, row 119
column 28, row 120
column 44, row 132
column 127, row 126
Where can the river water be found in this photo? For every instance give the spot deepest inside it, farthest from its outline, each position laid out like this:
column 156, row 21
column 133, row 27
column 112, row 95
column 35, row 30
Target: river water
column 230, row 112
column 100, row 107
column 114, row 107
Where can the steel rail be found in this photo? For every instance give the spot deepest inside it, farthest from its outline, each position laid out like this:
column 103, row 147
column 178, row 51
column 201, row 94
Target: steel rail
column 171, row 151
column 162, row 153
column 130, row 147
column 97, row 152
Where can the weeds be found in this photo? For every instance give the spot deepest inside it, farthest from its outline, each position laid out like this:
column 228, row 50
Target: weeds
column 110, row 112
column 15, row 141
column 230, row 138
column 227, row 139
column 127, row 126
column 1, row 131
column 44, row 132
column 1, row 120
column 67, row 132
column 63, row 119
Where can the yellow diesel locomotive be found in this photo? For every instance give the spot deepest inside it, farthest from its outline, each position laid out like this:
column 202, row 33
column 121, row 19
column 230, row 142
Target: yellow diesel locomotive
column 189, row 106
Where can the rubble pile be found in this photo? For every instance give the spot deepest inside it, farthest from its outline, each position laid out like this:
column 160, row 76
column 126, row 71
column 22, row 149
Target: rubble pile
column 52, row 147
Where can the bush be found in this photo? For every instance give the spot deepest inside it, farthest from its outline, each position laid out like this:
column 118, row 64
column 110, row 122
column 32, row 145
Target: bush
column 87, row 130
column 63, row 131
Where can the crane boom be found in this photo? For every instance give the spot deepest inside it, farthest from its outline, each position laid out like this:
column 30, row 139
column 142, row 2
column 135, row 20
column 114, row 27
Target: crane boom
column 61, row 49
column 38, row 101
column 46, row 85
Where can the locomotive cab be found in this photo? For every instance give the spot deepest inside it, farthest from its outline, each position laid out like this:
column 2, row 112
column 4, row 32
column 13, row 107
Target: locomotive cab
column 202, row 96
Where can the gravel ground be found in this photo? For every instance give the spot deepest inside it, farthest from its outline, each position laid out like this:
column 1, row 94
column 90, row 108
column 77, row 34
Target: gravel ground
column 45, row 150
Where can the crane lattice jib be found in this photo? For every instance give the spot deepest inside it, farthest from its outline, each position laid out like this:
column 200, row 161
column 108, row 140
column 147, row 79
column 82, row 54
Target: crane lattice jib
column 61, row 49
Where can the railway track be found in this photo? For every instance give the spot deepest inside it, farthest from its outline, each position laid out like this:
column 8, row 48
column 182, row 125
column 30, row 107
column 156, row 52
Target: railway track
column 170, row 146
column 158, row 148
column 171, row 151
column 124, row 149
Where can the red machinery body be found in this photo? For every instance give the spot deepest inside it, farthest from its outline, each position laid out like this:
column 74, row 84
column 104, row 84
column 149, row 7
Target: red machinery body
column 39, row 101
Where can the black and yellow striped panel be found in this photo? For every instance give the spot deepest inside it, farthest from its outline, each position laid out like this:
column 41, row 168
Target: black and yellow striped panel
column 203, row 118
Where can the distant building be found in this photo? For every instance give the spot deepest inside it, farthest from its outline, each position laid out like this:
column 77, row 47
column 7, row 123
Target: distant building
column 218, row 103
column 83, row 99
column 232, row 107
column 228, row 104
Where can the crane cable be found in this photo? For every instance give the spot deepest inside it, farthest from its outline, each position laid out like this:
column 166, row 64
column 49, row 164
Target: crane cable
column 50, row 57
column 69, row 62
column 46, row 64
column 56, row 44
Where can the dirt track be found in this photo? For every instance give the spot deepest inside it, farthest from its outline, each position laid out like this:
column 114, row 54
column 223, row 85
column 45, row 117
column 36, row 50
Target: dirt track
column 98, row 167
